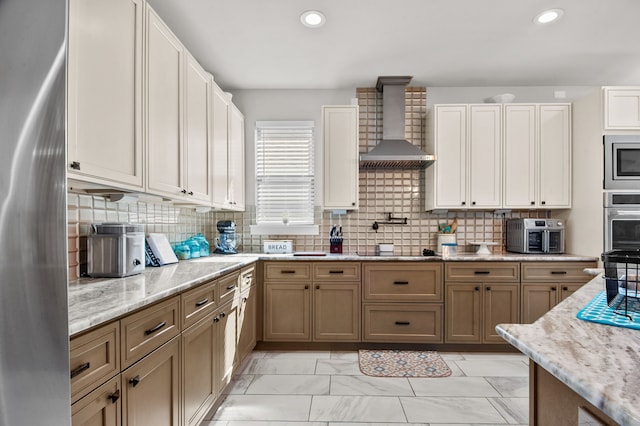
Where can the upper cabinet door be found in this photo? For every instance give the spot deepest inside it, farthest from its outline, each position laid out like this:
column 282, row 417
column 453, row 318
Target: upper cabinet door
column 554, row 166
column 165, row 61
column 219, row 133
column 451, row 156
column 340, row 149
column 622, row 108
column 519, row 153
column 236, row 159
column 105, row 92
column 197, row 108
column 485, row 156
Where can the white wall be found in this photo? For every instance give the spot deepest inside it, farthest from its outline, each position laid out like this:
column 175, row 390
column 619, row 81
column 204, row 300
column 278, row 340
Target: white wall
column 265, row 105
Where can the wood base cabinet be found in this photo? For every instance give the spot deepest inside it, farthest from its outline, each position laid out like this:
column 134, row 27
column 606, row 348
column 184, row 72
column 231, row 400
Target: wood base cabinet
column 226, row 320
column 402, row 322
column 100, row 407
column 336, row 312
column 151, row 388
column 247, row 332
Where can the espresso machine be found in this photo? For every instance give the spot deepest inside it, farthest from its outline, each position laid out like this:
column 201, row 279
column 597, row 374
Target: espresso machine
column 227, row 241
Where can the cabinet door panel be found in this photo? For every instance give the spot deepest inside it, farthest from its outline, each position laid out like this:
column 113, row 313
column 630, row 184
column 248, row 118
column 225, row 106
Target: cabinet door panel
column 165, row 59
column 287, row 312
column 451, row 154
column 485, row 156
column 247, row 333
column 519, row 152
column 554, row 168
column 622, row 108
column 105, row 91
column 340, row 134
column 336, row 312
column 236, row 159
column 537, row 300
column 463, row 314
column 501, row 306
column 199, row 369
column 227, row 338
column 219, row 134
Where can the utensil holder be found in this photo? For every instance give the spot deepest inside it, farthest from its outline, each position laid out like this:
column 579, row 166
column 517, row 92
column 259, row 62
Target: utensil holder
column 335, row 245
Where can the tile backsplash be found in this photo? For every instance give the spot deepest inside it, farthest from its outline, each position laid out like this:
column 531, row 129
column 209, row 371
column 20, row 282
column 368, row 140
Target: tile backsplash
column 399, row 192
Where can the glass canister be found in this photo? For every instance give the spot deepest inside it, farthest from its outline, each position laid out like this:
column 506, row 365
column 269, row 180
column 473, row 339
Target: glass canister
column 182, row 251
column 194, row 245
column 204, row 245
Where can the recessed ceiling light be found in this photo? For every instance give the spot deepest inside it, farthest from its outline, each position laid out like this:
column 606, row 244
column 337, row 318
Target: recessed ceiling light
column 548, row 16
column 312, row 19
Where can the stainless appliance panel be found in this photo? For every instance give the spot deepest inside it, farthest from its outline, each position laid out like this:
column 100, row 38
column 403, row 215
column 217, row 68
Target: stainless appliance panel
column 535, row 236
column 622, row 162
column 34, row 339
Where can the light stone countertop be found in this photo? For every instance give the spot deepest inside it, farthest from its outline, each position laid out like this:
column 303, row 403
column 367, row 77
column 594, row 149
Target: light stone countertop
column 94, row 301
column 601, row 363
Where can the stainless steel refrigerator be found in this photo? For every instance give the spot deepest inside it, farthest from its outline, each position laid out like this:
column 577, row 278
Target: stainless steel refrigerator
column 34, row 340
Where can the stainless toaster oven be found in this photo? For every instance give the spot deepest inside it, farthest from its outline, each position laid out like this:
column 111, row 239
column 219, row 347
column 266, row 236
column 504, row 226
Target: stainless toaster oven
column 116, row 250
column 535, row 236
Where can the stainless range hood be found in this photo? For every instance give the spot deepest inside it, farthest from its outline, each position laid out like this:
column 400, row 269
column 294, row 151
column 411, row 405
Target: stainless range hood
column 394, row 151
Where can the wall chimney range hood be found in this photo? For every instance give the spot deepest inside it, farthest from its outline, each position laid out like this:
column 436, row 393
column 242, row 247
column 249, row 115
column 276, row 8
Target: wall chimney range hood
column 394, row 151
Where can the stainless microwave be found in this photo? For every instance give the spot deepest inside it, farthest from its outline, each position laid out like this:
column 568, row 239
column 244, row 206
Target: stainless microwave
column 622, row 162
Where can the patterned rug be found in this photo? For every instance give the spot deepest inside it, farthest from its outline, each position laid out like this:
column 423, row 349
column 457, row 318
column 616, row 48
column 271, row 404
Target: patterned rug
column 392, row 363
column 598, row 311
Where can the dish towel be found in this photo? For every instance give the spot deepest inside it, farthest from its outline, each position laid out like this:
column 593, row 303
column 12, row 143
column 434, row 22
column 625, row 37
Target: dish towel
column 598, row 311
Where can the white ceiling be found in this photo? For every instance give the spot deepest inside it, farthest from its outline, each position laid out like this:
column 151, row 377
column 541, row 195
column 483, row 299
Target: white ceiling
column 261, row 44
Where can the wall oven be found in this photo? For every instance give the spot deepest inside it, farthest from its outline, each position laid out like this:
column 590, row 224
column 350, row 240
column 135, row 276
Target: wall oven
column 622, row 162
column 621, row 220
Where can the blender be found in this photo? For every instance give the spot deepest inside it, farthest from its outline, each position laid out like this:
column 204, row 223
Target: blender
column 227, row 241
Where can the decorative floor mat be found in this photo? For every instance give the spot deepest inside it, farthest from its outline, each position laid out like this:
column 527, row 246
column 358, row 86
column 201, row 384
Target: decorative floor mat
column 392, row 363
column 598, row 311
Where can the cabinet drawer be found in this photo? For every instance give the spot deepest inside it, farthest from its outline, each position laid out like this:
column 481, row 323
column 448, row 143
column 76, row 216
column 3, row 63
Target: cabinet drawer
column 103, row 403
column 402, row 322
column 247, row 278
column 482, row 271
column 197, row 303
column 227, row 287
column 146, row 330
column 287, row 271
column 556, row 271
column 336, row 271
column 403, row 282
column 94, row 357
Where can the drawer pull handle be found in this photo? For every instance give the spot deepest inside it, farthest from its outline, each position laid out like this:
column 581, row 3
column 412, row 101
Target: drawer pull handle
column 336, row 272
column 134, row 381
column 403, row 323
column 287, row 272
column 82, row 368
column 401, row 282
column 482, row 272
column 154, row 329
column 202, row 302
column 114, row 396
column 558, row 272
column 231, row 287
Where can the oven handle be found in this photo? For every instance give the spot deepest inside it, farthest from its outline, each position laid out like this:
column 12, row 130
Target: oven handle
column 627, row 212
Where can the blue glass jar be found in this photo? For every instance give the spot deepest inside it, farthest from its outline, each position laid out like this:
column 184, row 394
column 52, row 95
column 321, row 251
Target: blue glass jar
column 194, row 245
column 204, row 245
column 182, row 251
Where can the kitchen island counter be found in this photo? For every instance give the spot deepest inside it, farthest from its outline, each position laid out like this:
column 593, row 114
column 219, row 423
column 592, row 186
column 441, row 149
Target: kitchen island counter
column 599, row 363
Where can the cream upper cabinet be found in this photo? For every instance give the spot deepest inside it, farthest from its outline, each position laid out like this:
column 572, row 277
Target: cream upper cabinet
column 219, row 135
column 467, row 144
column 340, row 156
column 197, row 143
column 236, row 159
column 621, row 108
column 520, row 151
column 104, row 102
column 163, row 101
column 554, row 166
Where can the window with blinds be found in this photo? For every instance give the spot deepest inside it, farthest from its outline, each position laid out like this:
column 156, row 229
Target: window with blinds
column 285, row 182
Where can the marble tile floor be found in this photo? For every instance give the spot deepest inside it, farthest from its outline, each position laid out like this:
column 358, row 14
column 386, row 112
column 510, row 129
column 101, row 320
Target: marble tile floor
column 304, row 388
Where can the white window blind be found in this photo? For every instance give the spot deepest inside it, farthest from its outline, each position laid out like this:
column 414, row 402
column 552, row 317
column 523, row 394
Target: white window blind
column 285, row 183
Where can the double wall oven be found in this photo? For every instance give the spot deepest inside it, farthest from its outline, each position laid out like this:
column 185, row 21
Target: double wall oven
column 621, row 220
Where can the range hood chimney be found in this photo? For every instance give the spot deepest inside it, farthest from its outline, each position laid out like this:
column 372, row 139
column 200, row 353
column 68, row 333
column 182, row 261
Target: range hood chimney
column 394, row 151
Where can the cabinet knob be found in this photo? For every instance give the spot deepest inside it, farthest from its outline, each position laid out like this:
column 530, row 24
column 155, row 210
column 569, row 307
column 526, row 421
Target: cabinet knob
column 114, row 396
column 190, row 192
column 134, row 381
column 353, row 204
column 463, row 203
column 317, row 287
column 222, row 315
column 533, row 203
column 488, row 288
column 184, row 191
column 75, row 165
column 543, row 202
column 565, row 288
column 306, row 287
column 473, row 203
column 477, row 288
column 216, row 319
column 553, row 288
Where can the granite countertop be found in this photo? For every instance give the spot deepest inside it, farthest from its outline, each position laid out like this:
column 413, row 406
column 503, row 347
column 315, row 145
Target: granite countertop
column 463, row 257
column 93, row 301
column 600, row 363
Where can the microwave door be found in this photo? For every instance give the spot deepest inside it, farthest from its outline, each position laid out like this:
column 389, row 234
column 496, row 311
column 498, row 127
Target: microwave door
column 545, row 241
column 555, row 241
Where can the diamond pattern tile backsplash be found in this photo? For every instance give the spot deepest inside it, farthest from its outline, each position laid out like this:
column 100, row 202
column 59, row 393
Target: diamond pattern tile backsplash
column 399, row 192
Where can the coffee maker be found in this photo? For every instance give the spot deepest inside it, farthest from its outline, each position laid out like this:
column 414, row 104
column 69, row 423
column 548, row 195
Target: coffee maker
column 227, row 242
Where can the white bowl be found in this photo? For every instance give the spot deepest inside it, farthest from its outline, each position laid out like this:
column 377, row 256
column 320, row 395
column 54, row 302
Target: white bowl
column 504, row 98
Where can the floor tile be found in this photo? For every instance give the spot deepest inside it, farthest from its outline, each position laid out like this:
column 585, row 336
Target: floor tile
column 452, row 356
column 375, row 424
column 298, row 355
column 365, row 385
column 257, row 423
column 346, row 355
column 493, row 367
column 455, row 370
column 453, row 386
column 510, row 386
column 356, row 408
column 239, row 384
column 515, row 410
column 280, row 366
column 450, row 410
column 289, row 384
column 338, row 367
column 264, row 408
